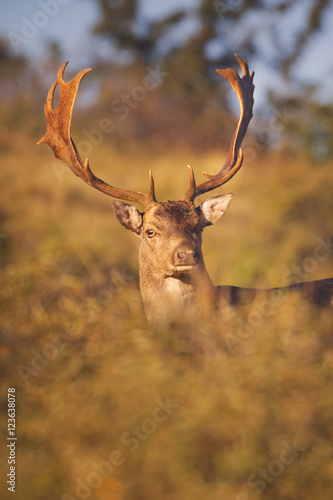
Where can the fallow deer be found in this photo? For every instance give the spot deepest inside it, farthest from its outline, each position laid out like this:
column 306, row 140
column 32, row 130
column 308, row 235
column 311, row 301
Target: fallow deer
column 174, row 282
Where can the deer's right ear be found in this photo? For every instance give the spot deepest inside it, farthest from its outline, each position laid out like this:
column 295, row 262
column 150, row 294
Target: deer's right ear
column 128, row 216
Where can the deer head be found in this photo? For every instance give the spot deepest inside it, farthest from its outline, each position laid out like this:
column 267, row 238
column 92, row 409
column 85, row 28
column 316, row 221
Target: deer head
column 173, row 278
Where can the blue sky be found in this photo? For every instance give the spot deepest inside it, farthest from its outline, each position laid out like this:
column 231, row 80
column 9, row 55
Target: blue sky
column 67, row 21
column 70, row 22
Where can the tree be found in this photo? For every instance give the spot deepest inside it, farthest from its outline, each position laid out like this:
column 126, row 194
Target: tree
column 190, row 43
column 275, row 31
column 132, row 35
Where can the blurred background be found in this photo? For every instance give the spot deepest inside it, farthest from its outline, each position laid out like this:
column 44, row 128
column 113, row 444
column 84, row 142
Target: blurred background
column 288, row 44
column 87, row 368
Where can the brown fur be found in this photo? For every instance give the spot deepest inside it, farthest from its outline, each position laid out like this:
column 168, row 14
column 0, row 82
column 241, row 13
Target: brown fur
column 174, row 282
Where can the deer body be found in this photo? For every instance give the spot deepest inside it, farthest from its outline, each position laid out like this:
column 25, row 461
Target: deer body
column 175, row 285
column 174, row 282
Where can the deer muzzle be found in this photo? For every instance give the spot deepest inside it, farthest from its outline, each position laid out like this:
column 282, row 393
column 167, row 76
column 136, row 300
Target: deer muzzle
column 185, row 258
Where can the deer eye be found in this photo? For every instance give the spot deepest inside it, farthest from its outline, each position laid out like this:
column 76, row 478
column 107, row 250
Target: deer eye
column 150, row 233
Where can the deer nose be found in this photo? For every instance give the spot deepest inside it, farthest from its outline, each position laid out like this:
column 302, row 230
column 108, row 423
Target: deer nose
column 185, row 256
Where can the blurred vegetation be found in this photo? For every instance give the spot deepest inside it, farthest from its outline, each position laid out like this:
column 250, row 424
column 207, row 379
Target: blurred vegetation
column 88, row 369
column 160, row 74
column 74, row 340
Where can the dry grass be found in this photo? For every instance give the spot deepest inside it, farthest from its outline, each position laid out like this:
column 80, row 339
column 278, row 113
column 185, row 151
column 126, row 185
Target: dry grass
column 90, row 374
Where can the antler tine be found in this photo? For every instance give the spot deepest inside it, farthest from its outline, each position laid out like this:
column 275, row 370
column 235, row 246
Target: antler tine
column 191, row 192
column 244, row 89
column 58, row 137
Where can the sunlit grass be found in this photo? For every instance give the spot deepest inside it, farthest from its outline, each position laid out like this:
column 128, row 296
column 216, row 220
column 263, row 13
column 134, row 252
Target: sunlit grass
column 90, row 373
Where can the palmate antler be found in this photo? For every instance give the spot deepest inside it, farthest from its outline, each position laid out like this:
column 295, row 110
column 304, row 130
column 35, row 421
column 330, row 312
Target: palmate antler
column 244, row 89
column 58, row 137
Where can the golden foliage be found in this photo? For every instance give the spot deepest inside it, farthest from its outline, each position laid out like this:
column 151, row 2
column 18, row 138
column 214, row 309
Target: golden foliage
column 107, row 407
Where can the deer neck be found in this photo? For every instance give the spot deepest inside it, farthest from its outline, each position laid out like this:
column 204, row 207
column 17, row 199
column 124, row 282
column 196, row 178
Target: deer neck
column 176, row 298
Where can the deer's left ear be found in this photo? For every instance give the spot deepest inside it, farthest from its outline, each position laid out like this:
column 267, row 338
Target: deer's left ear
column 213, row 208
